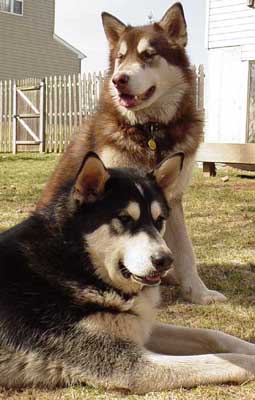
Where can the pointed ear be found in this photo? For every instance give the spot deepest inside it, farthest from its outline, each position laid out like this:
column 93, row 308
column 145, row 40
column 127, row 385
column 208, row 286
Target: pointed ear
column 173, row 22
column 91, row 179
column 168, row 171
column 113, row 28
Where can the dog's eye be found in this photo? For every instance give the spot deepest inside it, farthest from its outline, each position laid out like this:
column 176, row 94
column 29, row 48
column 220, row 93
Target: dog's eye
column 120, row 56
column 159, row 223
column 148, row 56
column 125, row 219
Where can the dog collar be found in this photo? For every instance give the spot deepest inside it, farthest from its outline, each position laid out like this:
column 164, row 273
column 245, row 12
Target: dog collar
column 154, row 131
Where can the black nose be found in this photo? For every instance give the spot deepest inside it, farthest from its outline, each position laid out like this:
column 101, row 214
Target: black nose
column 120, row 79
column 162, row 261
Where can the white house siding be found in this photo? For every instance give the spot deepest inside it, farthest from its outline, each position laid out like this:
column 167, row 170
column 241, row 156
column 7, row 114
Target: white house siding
column 231, row 44
column 231, row 23
column 227, row 102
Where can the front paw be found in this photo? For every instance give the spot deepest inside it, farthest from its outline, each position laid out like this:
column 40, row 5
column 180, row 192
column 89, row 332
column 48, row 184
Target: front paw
column 203, row 296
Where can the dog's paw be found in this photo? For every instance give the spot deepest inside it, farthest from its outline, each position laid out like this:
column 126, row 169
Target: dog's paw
column 204, row 296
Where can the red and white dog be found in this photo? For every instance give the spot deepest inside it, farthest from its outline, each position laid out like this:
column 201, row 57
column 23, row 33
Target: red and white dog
column 146, row 113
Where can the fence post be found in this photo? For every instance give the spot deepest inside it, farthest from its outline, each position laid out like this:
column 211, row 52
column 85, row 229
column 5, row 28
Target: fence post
column 14, row 122
column 42, row 117
column 65, row 110
column 60, row 124
column 79, row 87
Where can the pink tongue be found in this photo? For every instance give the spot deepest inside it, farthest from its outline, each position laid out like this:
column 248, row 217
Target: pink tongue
column 153, row 278
column 127, row 101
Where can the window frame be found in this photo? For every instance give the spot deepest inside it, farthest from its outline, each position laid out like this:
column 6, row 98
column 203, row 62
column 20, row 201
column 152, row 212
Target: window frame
column 12, row 9
column 251, row 3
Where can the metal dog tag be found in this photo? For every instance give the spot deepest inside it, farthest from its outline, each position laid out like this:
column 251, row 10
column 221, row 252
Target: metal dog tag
column 152, row 144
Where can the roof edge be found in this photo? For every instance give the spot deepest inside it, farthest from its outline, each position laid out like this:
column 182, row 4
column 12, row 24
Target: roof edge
column 69, row 46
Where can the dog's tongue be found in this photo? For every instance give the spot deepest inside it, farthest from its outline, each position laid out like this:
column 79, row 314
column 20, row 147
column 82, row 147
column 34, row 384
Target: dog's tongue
column 154, row 278
column 127, row 100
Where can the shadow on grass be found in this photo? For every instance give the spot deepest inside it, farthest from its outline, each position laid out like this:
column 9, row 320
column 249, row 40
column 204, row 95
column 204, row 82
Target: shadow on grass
column 243, row 176
column 236, row 281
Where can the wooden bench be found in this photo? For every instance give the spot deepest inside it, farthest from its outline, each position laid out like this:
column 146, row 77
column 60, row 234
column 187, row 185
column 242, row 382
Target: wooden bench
column 238, row 155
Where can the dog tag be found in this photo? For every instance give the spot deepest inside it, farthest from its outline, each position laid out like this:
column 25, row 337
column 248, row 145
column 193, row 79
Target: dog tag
column 152, row 144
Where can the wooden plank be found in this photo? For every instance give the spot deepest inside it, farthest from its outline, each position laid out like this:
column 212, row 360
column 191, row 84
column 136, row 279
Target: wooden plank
column 232, row 29
column 27, row 142
column 10, row 117
column 65, row 110
column 95, row 90
column 14, row 128
column 227, row 153
column 79, row 87
column 84, row 96
column 225, row 3
column 29, row 88
column 60, row 125
column 55, row 114
column 235, row 9
column 89, row 93
column 101, row 82
column 29, row 115
column 220, row 43
column 42, row 117
column 74, row 88
column 234, row 35
column 229, row 16
column 232, row 23
column 46, row 129
column 70, row 114
column 50, row 114
column 5, row 117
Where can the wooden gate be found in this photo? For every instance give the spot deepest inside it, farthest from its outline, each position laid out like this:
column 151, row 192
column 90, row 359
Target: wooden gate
column 28, row 116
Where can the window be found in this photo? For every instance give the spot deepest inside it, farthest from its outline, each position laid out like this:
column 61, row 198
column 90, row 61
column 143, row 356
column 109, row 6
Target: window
column 12, row 6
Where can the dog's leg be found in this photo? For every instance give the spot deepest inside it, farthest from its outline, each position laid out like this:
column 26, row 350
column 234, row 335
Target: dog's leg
column 176, row 340
column 176, row 236
column 162, row 372
column 121, row 365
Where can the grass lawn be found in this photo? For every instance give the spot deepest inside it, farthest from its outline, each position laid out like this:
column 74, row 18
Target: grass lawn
column 221, row 219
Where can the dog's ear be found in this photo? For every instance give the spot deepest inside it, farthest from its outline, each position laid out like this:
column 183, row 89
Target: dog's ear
column 91, row 179
column 168, row 171
column 173, row 22
column 113, row 28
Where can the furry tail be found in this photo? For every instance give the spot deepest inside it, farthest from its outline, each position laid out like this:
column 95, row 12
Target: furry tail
column 26, row 368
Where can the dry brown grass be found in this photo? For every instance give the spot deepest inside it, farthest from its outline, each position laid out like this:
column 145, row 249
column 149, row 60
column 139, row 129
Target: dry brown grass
column 221, row 218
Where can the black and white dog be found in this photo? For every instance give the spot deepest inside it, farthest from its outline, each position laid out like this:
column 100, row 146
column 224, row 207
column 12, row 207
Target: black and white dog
column 79, row 287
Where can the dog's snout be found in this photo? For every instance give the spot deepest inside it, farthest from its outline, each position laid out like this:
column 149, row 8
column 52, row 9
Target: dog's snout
column 162, row 261
column 120, row 80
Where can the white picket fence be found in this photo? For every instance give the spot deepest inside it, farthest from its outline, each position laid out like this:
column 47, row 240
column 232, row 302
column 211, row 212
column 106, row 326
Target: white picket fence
column 68, row 101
